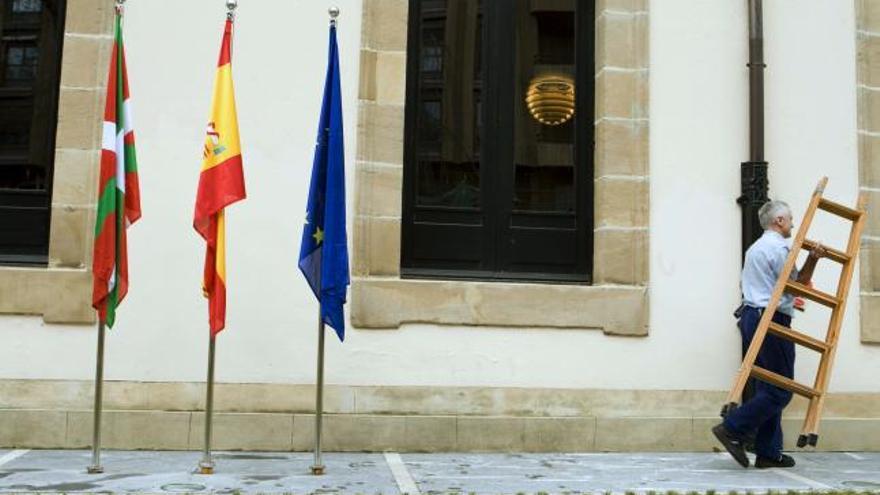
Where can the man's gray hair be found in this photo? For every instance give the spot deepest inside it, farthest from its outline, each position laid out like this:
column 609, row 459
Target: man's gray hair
column 771, row 210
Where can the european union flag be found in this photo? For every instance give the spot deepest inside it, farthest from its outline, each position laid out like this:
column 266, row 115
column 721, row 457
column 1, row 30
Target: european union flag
column 323, row 255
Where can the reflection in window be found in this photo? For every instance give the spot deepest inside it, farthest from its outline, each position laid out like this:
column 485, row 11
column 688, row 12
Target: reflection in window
column 449, row 102
column 31, row 33
column 21, row 64
column 449, row 184
column 430, row 125
column 504, row 195
column 432, row 48
column 26, row 6
column 544, row 159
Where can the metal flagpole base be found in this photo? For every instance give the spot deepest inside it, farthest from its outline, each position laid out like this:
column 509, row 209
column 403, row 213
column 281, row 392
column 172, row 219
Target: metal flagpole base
column 206, row 467
column 318, row 470
column 95, row 469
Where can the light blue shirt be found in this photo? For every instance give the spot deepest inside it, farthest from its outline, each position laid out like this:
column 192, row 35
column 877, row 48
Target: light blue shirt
column 764, row 261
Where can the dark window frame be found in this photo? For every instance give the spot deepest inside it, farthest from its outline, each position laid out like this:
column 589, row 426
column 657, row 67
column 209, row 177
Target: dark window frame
column 25, row 214
column 491, row 259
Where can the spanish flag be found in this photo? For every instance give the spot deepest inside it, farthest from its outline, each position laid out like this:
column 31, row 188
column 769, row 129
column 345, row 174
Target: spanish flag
column 221, row 183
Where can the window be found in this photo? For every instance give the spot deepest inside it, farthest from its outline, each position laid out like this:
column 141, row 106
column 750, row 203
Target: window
column 498, row 152
column 31, row 33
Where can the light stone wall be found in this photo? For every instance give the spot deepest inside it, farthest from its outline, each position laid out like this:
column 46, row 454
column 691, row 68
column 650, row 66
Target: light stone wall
column 868, row 53
column 621, row 145
column 617, row 302
column 166, row 430
column 426, row 400
column 55, row 414
column 61, row 293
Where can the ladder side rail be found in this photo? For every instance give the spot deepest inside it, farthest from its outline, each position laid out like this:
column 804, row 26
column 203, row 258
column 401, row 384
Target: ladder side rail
column 827, row 359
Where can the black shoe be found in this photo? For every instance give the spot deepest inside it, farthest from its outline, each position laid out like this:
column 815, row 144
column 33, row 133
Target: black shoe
column 784, row 461
column 733, row 444
column 749, row 443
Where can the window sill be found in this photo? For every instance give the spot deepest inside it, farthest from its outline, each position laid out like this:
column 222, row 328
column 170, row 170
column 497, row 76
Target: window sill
column 389, row 302
column 59, row 295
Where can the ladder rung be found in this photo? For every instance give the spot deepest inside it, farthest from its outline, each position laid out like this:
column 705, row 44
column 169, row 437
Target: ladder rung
column 797, row 337
column 833, row 254
column 783, row 382
column 818, row 296
column 839, row 210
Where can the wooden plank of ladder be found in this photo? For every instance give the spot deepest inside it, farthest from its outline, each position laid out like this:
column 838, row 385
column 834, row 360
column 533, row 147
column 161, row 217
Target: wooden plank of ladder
column 839, row 210
column 783, row 382
column 798, row 337
column 818, row 296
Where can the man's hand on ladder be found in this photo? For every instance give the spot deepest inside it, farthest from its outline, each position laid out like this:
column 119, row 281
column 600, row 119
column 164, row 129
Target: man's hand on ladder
column 817, row 252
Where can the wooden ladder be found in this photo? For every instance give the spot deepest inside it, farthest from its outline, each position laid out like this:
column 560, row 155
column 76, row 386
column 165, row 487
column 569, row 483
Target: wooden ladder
column 837, row 303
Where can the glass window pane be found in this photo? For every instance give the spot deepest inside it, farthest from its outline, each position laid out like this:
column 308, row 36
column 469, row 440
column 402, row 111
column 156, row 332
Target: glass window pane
column 432, row 47
column 544, row 107
column 448, row 109
column 31, row 33
column 430, row 128
column 15, row 126
column 14, row 55
column 24, row 114
column 23, row 177
column 31, row 54
column 449, row 184
column 21, row 64
column 26, row 6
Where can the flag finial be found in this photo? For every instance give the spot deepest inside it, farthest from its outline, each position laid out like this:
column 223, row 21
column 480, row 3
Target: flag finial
column 334, row 13
column 230, row 8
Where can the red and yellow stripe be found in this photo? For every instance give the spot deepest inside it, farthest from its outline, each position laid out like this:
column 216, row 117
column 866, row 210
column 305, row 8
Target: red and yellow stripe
column 221, row 183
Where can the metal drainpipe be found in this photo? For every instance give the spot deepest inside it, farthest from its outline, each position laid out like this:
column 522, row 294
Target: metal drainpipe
column 753, row 173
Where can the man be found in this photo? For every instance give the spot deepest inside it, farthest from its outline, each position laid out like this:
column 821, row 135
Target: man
column 762, row 414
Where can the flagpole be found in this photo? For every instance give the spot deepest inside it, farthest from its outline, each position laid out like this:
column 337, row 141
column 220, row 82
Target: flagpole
column 318, row 467
column 206, row 465
column 95, row 467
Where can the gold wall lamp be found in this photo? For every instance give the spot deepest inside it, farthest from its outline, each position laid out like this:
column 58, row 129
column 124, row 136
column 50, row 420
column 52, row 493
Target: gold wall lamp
column 550, row 98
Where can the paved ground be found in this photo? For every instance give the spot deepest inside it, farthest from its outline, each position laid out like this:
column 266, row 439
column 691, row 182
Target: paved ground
column 391, row 473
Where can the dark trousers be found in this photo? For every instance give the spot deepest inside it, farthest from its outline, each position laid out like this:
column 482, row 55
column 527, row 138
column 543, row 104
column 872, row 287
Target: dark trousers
column 762, row 413
column 749, row 389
